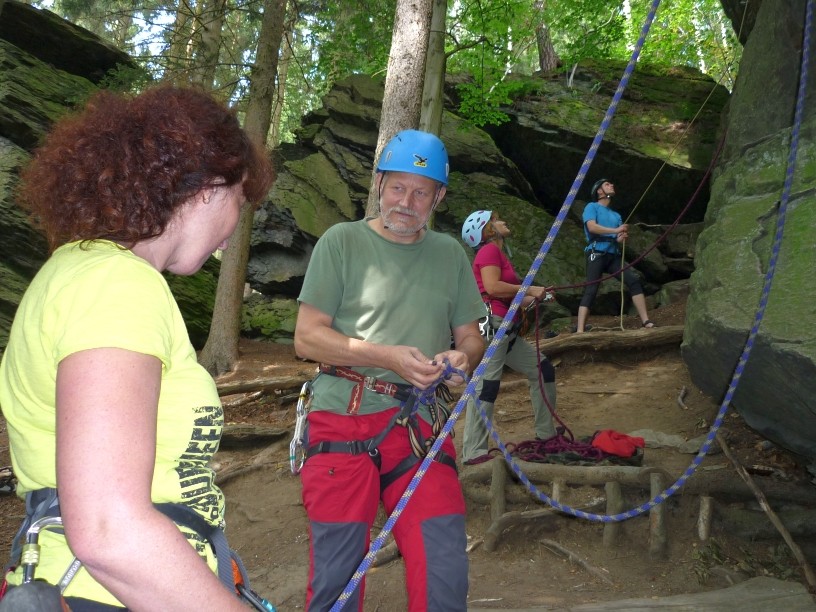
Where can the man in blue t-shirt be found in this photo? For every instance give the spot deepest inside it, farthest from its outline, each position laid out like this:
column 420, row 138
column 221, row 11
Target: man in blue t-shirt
column 605, row 231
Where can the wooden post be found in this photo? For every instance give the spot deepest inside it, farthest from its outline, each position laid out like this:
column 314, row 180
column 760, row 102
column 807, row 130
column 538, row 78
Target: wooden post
column 704, row 520
column 559, row 487
column 657, row 521
column 498, row 503
column 614, row 505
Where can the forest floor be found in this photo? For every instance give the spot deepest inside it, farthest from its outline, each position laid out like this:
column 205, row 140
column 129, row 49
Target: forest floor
column 626, row 390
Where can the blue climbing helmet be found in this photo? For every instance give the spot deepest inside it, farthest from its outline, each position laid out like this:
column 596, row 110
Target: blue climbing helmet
column 415, row 152
column 474, row 225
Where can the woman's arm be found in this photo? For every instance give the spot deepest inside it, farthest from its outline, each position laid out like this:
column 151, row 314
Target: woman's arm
column 107, row 403
column 497, row 288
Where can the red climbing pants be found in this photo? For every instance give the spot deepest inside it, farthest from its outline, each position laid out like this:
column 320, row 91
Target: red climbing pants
column 341, row 493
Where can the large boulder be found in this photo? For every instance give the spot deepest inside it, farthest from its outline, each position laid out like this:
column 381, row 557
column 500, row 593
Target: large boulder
column 47, row 67
column 55, row 41
column 776, row 389
column 656, row 148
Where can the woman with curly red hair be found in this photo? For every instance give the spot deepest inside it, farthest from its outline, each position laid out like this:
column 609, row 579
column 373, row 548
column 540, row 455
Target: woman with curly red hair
column 112, row 422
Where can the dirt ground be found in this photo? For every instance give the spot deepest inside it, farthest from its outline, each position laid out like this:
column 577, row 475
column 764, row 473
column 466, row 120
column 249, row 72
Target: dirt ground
column 632, row 390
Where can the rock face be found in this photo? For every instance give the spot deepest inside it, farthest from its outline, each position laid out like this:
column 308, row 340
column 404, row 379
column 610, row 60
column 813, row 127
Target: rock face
column 655, row 171
column 523, row 169
column 47, row 66
column 776, row 390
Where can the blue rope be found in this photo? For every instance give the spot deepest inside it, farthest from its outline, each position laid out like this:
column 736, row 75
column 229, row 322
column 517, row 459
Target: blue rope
column 743, row 360
column 491, row 349
column 471, row 385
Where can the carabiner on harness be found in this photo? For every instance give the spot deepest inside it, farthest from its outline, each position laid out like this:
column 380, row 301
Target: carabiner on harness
column 297, row 450
column 30, row 557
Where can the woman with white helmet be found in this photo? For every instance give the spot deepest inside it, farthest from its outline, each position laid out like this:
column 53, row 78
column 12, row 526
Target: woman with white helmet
column 497, row 280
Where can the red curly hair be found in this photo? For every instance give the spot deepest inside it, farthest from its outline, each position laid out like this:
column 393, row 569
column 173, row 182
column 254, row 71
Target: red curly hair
column 122, row 166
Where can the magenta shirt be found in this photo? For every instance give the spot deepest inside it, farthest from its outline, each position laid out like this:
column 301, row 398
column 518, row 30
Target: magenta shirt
column 491, row 255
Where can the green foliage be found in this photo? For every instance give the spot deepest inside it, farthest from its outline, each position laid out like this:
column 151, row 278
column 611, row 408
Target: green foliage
column 483, row 108
column 489, row 40
column 126, row 79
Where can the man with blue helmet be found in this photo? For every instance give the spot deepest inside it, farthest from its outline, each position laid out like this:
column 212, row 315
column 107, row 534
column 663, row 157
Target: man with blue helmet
column 380, row 300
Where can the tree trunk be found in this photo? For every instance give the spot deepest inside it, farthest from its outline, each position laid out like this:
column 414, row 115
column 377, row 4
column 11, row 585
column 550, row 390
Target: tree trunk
column 208, row 43
column 178, row 53
column 221, row 350
column 548, row 59
column 287, row 56
column 402, row 100
column 432, row 90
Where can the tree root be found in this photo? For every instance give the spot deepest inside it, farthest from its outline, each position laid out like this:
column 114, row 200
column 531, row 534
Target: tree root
column 576, row 559
column 763, row 502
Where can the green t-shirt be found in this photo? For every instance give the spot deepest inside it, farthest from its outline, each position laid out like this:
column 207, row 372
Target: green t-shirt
column 100, row 295
column 387, row 293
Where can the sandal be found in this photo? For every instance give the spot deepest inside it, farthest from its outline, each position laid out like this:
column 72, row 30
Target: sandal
column 648, row 324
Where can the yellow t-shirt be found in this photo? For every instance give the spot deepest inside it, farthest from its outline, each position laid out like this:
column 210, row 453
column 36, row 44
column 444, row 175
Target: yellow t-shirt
column 90, row 295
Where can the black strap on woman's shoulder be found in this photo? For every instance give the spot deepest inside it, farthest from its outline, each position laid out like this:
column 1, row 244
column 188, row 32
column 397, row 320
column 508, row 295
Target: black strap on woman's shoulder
column 45, row 503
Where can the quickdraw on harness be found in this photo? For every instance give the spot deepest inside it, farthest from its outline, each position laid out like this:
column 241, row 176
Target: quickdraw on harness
column 43, row 512
column 485, row 328
column 410, row 399
column 297, row 452
column 596, row 238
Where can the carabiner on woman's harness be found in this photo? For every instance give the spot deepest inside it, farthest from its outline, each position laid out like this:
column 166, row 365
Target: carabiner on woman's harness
column 297, row 450
column 30, row 556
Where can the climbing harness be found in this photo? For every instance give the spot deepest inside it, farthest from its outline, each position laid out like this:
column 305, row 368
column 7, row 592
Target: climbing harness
column 433, row 452
column 399, row 392
column 410, row 399
column 43, row 512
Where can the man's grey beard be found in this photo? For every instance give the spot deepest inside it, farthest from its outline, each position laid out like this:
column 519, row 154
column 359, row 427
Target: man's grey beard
column 403, row 231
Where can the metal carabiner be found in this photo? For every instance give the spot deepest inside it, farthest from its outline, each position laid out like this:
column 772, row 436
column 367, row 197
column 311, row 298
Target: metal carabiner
column 297, row 453
column 30, row 557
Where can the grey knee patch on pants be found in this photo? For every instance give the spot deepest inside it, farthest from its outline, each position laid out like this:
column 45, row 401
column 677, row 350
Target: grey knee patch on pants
column 447, row 564
column 337, row 550
column 490, row 391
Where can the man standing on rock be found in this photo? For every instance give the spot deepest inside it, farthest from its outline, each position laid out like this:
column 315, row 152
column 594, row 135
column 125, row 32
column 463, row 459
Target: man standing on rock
column 605, row 232
column 380, row 301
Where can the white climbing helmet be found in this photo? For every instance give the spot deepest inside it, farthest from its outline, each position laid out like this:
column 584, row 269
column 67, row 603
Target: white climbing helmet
column 473, row 226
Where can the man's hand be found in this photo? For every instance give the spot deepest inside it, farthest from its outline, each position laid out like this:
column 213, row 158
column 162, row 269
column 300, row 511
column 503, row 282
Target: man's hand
column 458, row 360
column 414, row 367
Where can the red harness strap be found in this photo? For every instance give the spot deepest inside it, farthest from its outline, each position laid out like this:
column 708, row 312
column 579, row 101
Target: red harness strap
column 384, row 387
